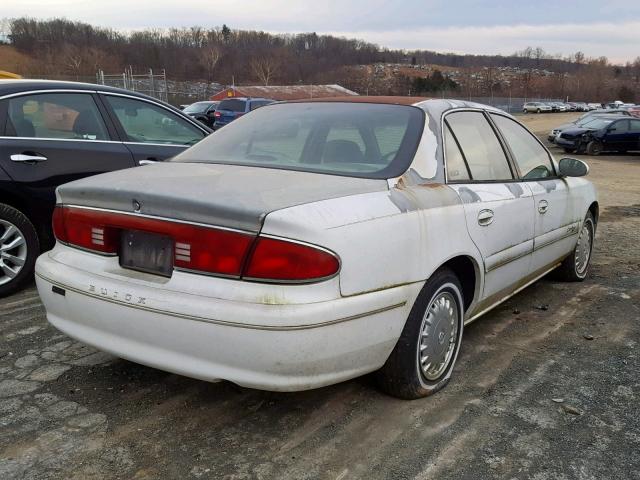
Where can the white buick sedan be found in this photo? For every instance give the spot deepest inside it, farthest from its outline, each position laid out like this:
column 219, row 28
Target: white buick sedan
column 312, row 242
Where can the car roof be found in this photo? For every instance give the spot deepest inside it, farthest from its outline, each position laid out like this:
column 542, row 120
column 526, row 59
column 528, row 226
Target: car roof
column 9, row 87
column 248, row 98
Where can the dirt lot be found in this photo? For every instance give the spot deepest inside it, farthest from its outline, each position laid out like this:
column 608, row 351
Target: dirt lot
column 547, row 387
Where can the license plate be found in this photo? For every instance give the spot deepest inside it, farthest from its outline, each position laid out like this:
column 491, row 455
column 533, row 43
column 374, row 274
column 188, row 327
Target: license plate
column 146, row 252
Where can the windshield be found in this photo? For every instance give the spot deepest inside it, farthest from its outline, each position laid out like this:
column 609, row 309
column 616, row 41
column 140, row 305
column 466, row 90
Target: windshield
column 198, row 107
column 353, row 139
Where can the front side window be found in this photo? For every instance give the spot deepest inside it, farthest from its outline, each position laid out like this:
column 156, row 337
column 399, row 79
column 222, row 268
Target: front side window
column 620, row 127
column 480, row 146
column 353, row 139
column 532, row 159
column 69, row 116
column 145, row 122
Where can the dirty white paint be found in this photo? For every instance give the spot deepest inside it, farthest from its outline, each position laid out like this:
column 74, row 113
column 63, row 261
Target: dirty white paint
column 296, row 337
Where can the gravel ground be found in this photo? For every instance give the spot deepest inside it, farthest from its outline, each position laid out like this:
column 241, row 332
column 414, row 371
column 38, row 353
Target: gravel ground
column 546, row 387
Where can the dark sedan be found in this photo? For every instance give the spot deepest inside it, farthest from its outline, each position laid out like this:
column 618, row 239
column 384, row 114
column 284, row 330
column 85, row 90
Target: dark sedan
column 55, row 132
column 617, row 134
column 204, row 112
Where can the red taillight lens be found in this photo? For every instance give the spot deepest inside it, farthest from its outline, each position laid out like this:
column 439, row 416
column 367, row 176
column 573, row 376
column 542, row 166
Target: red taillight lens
column 199, row 248
column 204, row 249
column 281, row 260
column 81, row 228
column 217, row 114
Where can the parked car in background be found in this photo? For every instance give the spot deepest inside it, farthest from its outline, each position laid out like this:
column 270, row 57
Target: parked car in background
column 603, row 134
column 554, row 106
column 561, row 107
column 55, row 132
column 594, row 106
column 314, row 242
column 536, row 107
column 204, row 112
column 635, row 110
column 583, row 121
column 230, row 109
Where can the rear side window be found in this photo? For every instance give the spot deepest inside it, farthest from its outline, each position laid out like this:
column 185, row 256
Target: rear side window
column 480, row 146
column 634, row 126
column 69, row 116
column 456, row 167
column 532, row 159
column 234, row 105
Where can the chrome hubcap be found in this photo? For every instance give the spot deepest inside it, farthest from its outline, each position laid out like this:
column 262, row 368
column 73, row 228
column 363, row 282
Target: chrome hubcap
column 13, row 251
column 583, row 248
column 438, row 336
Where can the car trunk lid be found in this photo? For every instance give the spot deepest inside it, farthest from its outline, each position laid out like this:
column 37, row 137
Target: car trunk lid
column 214, row 194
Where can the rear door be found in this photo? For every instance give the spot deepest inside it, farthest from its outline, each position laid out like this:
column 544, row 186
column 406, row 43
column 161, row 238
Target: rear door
column 556, row 218
column 52, row 138
column 149, row 130
column 498, row 207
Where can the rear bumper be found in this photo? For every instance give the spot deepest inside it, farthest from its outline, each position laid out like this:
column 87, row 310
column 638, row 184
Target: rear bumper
column 270, row 346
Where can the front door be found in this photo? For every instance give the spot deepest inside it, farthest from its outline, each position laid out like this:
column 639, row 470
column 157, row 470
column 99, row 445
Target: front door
column 555, row 216
column 150, row 131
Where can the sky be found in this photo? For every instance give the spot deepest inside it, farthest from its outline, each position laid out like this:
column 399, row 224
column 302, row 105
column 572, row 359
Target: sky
column 608, row 28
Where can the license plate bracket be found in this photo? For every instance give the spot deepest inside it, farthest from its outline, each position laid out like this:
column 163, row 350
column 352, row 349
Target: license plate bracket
column 146, row 252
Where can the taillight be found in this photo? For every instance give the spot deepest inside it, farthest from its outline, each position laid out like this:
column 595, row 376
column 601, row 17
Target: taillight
column 198, row 248
column 279, row 260
column 83, row 229
column 217, row 114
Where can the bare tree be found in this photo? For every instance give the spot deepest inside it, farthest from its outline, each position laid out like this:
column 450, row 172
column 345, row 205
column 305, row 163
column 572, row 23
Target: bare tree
column 211, row 55
column 265, row 67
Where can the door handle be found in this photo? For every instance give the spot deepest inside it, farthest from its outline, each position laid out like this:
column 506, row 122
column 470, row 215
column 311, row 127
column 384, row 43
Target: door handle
column 485, row 217
column 147, row 162
column 23, row 157
column 543, row 206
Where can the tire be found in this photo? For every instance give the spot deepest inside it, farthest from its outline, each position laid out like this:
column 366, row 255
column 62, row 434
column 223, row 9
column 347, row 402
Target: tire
column 539, row 111
column 569, row 150
column 19, row 248
column 439, row 309
column 594, row 148
column 575, row 267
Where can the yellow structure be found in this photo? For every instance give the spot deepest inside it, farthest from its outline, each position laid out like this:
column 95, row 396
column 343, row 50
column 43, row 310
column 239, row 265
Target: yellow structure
column 4, row 74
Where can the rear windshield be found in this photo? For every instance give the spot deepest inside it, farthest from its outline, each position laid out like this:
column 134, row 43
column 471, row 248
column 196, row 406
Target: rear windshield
column 233, row 105
column 353, row 139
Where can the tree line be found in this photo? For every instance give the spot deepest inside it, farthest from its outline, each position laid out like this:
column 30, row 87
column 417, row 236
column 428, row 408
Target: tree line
column 225, row 55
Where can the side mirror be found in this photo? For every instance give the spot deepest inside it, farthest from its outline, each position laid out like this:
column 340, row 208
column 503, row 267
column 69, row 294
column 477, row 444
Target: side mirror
column 572, row 167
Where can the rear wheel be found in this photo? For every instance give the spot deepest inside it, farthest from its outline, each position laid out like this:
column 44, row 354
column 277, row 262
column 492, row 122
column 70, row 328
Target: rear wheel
column 574, row 268
column 569, row 150
column 594, row 148
column 19, row 248
column 539, row 111
column 422, row 361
